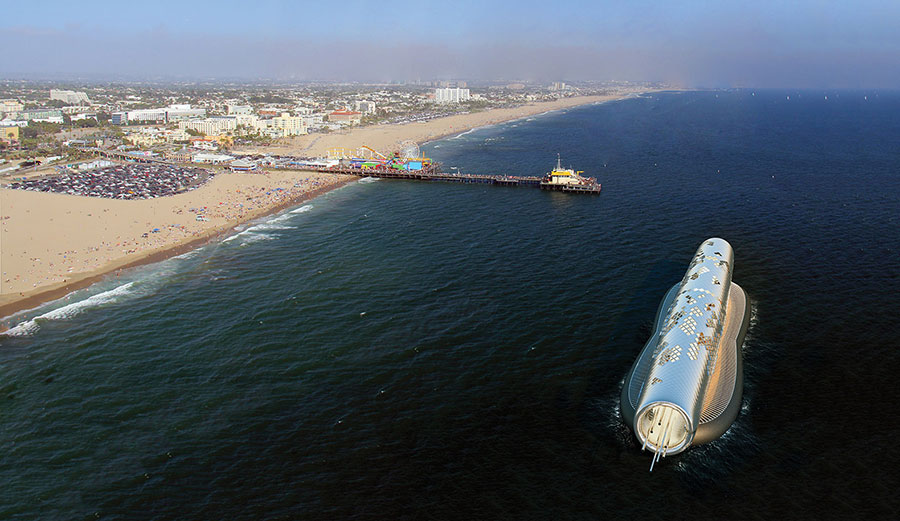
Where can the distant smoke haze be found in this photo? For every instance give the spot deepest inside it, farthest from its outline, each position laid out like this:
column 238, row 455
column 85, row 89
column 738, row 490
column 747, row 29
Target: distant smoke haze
column 799, row 44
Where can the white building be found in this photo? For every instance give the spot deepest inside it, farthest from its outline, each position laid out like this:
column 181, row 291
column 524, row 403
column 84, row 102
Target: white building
column 246, row 120
column 204, row 157
column 165, row 115
column 210, row 126
column 9, row 106
column 239, row 109
column 179, row 112
column 287, row 125
column 366, row 107
column 451, row 95
column 69, row 96
column 85, row 115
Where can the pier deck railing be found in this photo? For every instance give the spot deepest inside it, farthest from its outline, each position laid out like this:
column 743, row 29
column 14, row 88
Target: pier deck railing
column 434, row 175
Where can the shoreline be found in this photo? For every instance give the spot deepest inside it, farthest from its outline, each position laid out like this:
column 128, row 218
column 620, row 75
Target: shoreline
column 388, row 137
column 462, row 131
column 48, row 293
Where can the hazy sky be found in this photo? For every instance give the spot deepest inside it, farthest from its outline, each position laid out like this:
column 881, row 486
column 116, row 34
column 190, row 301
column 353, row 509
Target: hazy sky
column 688, row 42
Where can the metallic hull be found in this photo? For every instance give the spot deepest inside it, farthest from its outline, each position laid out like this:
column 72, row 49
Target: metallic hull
column 685, row 387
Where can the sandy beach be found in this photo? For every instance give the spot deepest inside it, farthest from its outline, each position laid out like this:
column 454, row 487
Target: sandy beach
column 387, row 138
column 52, row 244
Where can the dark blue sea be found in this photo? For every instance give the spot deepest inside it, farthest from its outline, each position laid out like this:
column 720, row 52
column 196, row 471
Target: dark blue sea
column 402, row 350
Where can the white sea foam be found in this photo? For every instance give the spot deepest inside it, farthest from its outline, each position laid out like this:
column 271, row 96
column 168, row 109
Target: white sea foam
column 271, row 226
column 276, row 223
column 303, row 209
column 186, row 255
column 466, row 132
column 70, row 310
column 256, row 237
column 235, row 236
column 279, row 218
column 368, row 180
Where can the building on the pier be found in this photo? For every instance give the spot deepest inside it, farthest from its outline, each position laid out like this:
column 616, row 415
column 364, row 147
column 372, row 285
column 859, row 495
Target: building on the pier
column 562, row 176
column 204, row 157
column 243, row 165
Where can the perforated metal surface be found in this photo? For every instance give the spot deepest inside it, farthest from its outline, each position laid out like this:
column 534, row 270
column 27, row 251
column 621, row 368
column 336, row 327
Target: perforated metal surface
column 692, row 323
column 721, row 383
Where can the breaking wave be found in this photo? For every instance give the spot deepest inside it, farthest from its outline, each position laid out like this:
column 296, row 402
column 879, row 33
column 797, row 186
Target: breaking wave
column 29, row 327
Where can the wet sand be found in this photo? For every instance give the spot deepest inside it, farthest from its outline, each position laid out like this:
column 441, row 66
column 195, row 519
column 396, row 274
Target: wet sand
column 52, row 244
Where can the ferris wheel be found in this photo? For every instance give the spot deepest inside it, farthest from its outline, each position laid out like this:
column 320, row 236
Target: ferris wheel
column 409, row 149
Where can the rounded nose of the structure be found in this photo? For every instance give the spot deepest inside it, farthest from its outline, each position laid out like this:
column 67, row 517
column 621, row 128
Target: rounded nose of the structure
column 664, row 428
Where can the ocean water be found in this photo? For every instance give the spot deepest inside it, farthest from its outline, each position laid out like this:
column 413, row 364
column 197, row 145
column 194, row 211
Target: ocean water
column 404, row 350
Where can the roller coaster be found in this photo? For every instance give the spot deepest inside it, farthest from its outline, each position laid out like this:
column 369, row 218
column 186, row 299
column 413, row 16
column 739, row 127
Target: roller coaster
column 407, row 159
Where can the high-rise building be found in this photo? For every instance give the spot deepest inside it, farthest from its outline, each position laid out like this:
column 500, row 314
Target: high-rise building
column 451, row 95
column 366, row 107
column 210, row 126
column 287, row 125
column 69, row 96
column 9, row 106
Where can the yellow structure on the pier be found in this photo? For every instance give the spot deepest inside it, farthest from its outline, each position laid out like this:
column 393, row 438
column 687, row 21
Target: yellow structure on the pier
column 563, row 176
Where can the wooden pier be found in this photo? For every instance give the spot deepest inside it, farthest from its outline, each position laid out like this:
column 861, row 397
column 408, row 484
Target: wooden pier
column 433, row 175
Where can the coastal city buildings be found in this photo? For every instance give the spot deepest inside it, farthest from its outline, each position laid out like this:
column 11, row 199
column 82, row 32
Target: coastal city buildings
column 40, row 114
column 345, row 116
column 366, row 107
column 451, row 95
column 286, row 125
column 210, row 126
column 166, row 114
column 69, row 96
column 179, row 119
column 9, row 134
column 9, row 107
column 238, row 109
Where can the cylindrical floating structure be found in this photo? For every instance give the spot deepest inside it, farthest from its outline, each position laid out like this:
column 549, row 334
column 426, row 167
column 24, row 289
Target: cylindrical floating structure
column 685, row 387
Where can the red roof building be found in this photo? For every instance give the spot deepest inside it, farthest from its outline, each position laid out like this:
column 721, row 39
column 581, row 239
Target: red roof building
column 345, row 116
